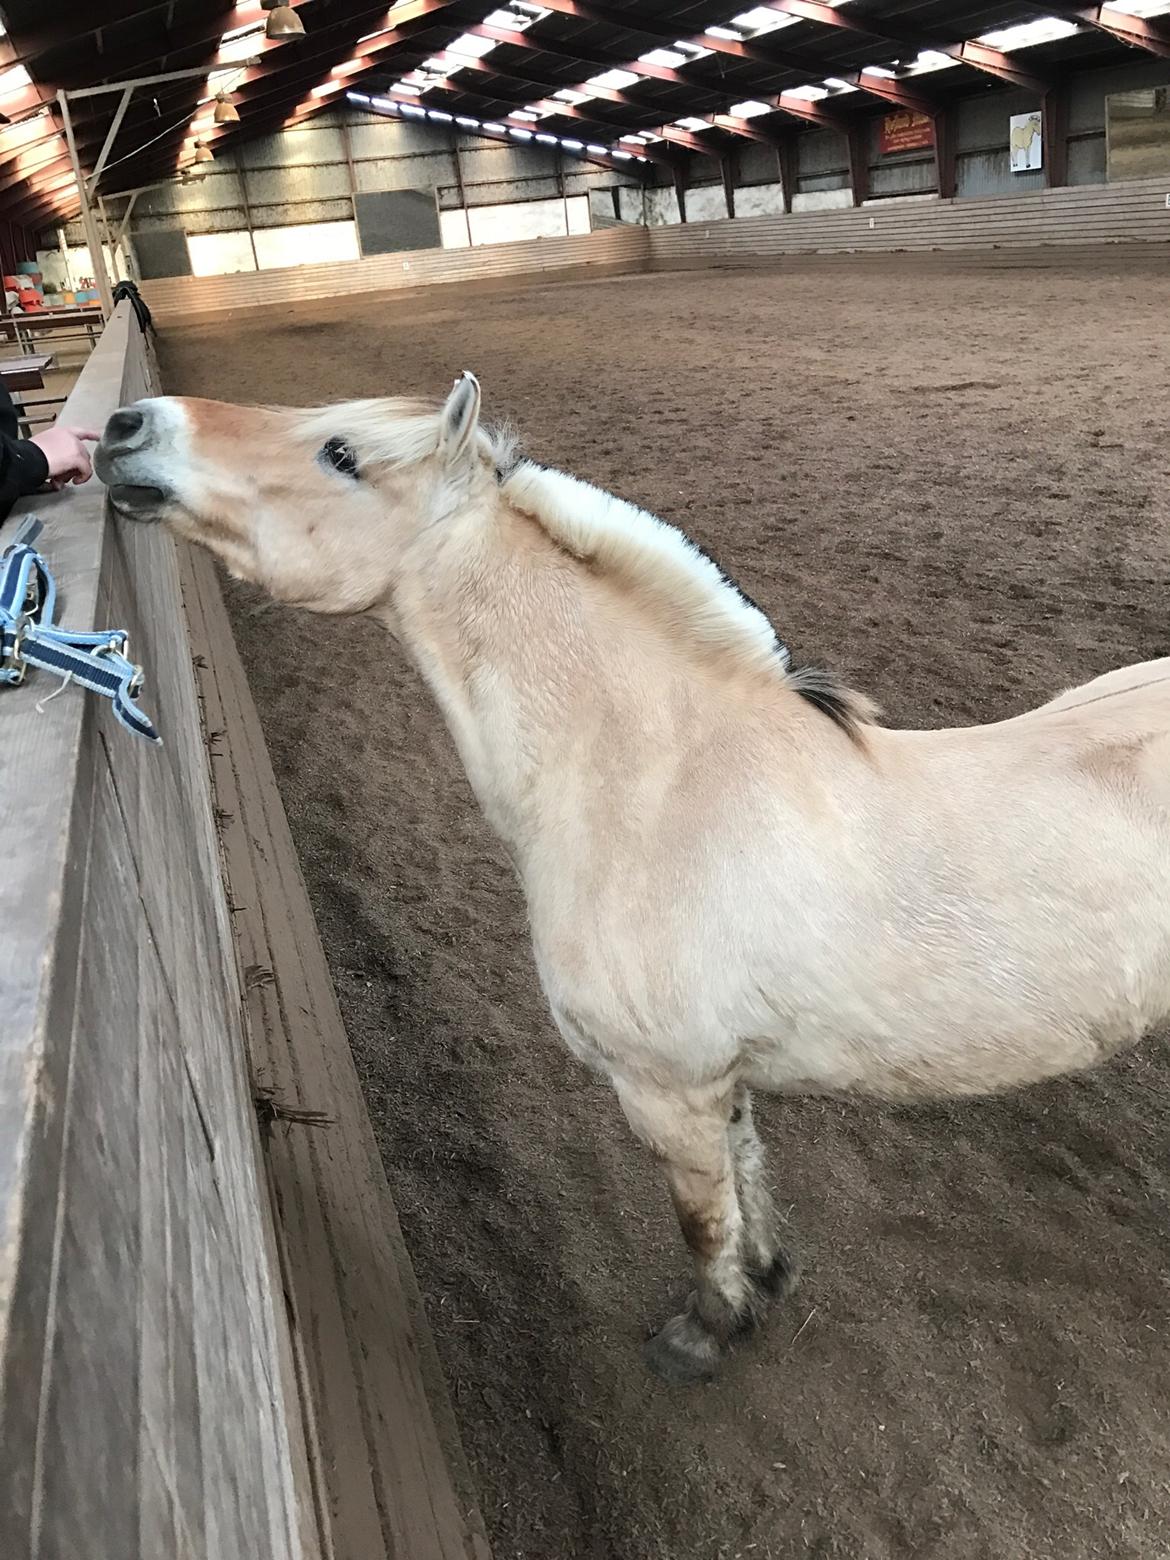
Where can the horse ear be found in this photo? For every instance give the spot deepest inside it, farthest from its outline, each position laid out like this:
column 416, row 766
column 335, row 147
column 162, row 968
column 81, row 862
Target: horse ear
column 460, row 418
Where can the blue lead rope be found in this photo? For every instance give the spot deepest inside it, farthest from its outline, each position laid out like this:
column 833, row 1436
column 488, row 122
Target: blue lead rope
column 29, row 637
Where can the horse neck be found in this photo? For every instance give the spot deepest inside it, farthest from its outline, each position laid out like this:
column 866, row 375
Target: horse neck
column 548, row 682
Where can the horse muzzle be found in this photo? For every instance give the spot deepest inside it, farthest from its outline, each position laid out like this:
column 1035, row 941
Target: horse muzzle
column 127, row 461
column 134, row 502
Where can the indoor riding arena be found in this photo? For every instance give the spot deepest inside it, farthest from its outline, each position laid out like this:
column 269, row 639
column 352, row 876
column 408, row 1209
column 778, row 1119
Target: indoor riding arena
column 870, row 300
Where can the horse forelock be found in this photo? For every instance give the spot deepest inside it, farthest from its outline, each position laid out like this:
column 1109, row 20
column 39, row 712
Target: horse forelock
column 399, row 430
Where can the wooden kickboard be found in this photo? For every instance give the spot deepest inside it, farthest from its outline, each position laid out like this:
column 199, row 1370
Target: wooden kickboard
column 387, row 1469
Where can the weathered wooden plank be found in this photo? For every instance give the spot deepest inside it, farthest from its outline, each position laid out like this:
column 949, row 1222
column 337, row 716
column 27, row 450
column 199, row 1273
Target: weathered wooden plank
column 389, row 1474
column 147, row 1403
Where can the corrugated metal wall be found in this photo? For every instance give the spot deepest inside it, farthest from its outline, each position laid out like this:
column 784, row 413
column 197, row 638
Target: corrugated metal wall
column 310, row 173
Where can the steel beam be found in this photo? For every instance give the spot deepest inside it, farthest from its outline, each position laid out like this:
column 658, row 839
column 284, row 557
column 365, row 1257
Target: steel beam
column 92, row 236
column 111, row 136
column 994, row 62
column 1134, row 31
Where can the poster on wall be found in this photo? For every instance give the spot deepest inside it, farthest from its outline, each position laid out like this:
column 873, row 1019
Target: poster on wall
column 1026, row 139
column 906, row 132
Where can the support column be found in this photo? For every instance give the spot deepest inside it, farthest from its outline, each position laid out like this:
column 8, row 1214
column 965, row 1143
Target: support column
column 680, row 190
column 787, row 163
column 242, row 175
column 347, row 147
column 944, row 153
column 92, row 236
column 727, row 169
column 857, row 137
column 1054, row 123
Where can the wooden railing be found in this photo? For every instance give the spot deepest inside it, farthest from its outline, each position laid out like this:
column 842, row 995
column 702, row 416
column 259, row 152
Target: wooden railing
column 188, row 1365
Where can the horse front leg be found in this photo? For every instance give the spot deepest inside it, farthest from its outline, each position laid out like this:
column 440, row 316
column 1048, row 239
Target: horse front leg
column 768, row 1263
column 688, row 1133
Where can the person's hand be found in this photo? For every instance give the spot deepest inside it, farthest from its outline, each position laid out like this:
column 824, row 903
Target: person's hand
column 64, row 449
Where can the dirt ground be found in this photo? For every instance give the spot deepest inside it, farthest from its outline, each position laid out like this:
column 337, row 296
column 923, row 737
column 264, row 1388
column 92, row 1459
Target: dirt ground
column 950, row 481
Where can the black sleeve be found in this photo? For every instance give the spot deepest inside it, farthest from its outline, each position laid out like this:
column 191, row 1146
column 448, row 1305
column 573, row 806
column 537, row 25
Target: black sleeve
column 23, row 469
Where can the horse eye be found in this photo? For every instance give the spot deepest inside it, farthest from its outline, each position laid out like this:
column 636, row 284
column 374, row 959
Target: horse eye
column 341, row 456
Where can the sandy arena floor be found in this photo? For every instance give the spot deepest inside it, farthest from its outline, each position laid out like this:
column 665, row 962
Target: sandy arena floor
column 950, row 482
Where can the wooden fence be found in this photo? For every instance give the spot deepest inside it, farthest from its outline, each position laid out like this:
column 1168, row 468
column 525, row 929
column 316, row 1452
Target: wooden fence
column 210, row 1341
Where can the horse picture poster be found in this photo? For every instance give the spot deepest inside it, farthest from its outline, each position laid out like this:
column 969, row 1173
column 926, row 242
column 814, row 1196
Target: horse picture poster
column 1026, row 139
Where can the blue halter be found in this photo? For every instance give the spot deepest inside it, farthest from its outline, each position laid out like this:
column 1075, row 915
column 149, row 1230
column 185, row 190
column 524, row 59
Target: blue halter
column 29, row 637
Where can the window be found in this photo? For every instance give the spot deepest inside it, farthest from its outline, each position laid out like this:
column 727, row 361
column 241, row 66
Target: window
column 220, row 254
column 310, row 243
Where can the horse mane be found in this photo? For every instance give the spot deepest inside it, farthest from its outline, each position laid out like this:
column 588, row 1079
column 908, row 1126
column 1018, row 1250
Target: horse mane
column 651, row 556
column 659, row 561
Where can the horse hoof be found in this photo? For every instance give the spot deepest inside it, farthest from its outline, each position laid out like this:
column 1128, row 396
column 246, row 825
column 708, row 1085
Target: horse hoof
column 781, row 1277
column 684, row 1353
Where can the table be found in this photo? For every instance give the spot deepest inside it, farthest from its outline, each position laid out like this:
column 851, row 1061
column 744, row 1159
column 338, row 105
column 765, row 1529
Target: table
column 76, row 324
column 26, row 372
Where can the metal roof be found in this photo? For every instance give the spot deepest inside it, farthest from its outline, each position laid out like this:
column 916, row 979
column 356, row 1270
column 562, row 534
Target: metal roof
column 531, row 51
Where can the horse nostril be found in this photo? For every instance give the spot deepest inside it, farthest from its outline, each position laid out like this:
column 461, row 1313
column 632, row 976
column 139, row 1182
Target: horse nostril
column 125, row 430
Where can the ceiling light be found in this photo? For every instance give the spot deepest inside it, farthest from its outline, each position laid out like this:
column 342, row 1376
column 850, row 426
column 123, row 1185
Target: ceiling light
column 226, row 112
column 1045, row 29
column 468, row 43
column 761, row 19
column 283, row 21
column 614, row 78
column 203, row 152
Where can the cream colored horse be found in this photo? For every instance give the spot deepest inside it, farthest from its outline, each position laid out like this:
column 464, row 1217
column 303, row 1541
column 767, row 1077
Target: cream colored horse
column 735, row 879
